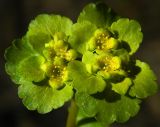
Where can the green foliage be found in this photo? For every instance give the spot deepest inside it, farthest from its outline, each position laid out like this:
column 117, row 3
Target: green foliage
column 98, row 14
column 144, row 82
column 77, row 35
column 122, row 87
column 108, row 112
column 84, row 121
column 43, row 98
column 20, row 65
column 128, row 31
column 83, row 81
column 90, row 61
column 32, row 68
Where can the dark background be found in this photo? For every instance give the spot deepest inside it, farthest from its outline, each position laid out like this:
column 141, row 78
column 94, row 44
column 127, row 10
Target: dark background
column 15, row 16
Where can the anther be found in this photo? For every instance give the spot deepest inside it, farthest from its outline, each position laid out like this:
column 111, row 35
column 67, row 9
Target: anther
column 99, row 37
column 103, row 35
column 98, row 41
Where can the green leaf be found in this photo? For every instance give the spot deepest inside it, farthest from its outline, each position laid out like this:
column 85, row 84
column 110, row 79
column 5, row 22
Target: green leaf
column 84, row 121
column 82, row 80
column 43, row 98
column 30, row 68
column 98, row 14
column 108, row 112
column 122, row 87
column 49, row 25
column 27, row 66
column 145, row 82
column 81, row 33
column 91, row 124
column 128, row 31
column 90, row 59
column 22, row 62
column 122, row 54
column 38, row 41
column 44, row 27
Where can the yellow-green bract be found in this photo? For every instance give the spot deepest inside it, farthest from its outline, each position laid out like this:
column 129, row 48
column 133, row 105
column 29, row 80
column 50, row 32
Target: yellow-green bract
column 93, row 56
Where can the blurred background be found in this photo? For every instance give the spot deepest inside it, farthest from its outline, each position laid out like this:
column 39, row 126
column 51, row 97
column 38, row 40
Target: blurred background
column 15, row 16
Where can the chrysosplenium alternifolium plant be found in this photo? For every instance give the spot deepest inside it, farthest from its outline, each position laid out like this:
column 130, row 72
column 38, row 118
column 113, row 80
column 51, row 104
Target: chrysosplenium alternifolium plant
column 90, row 62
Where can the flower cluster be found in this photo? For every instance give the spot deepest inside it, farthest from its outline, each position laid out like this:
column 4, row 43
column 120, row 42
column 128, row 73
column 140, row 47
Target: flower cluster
column 91, row 61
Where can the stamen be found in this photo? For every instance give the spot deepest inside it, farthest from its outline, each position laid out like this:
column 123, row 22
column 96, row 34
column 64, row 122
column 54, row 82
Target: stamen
column 103, row 35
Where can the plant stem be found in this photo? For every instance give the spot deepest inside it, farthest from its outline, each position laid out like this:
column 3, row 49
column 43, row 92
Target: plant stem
column 72, row 113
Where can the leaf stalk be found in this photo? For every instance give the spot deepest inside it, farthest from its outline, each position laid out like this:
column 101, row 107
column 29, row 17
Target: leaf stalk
column 72, row 113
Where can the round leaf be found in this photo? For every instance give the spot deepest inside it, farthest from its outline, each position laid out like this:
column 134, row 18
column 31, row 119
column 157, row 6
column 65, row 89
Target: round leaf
column 23, row 63
column 43, row 28
column 98, row 14
column 43, row 98
column 81, row 33
column 108, row 112
column 129, row 31
column 145, row 82
column 82, row 80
